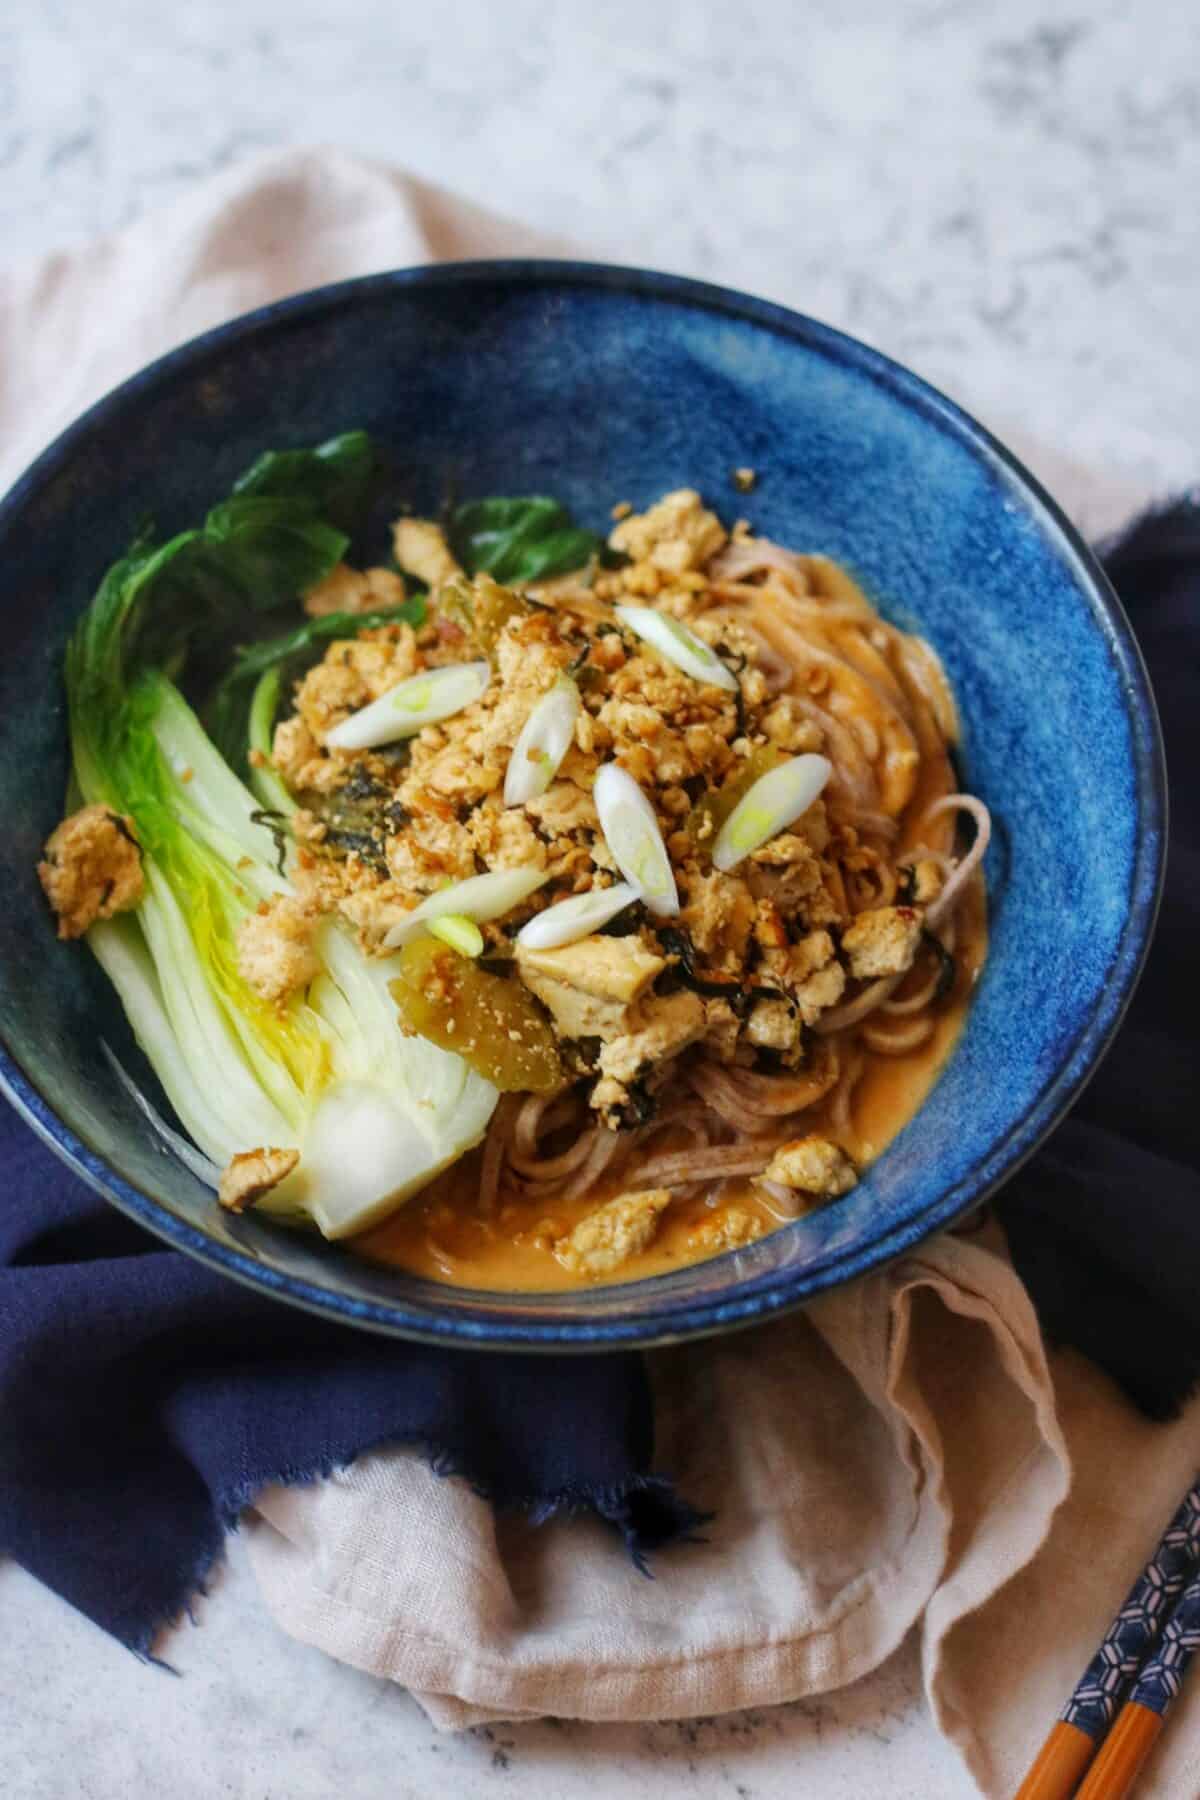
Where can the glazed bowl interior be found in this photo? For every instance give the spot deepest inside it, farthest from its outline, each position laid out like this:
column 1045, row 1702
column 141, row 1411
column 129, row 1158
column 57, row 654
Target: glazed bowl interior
column 596, row 385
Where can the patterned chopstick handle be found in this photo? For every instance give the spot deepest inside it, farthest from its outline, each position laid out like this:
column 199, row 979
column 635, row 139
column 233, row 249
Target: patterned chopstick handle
column 1161, row 1679
column 1137, row 1627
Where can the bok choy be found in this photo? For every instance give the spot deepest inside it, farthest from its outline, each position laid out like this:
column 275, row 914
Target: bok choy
column 372, row 1113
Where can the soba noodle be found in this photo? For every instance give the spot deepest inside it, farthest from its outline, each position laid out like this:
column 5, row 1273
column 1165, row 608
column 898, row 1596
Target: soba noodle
column 882, row 704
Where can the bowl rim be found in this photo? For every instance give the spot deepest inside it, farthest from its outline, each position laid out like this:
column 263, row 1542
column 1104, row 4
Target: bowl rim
column 787, row 1288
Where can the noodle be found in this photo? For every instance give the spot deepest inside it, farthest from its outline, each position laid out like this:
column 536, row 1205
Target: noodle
column 955, row 887
column 887, row 829
column 681, row 1168
column 764, row 1096
column 603, row 1147
column 749, row 556
column 887, row 1041
column 860, row 1008
column 839, row 1107
column 494, row 1149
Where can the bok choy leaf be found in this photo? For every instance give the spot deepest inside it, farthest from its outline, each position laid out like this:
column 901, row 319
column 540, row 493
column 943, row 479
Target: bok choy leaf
column 373, row 1114
column 336, row 479
column 520, row 540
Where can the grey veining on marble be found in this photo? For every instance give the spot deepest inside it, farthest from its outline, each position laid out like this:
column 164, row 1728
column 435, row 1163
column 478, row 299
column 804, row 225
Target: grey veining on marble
column 1002, row 196
column 255, row 1716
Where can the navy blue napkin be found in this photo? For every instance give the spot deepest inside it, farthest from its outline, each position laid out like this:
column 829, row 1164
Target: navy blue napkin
column 144, row 1400
column 1104, row 1224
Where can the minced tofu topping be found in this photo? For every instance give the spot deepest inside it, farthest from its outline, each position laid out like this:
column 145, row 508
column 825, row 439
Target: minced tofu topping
column 91, row 868
column 754, row 956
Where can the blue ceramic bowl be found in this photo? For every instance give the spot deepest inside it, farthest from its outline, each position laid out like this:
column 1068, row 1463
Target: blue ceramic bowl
column 593, row 383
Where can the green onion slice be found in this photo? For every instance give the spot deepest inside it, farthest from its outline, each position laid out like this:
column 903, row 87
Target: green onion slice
column 776, row 801
column 679, row 645
column 481, row 897
column 544, row 740
column 422, row 700
column 632, row 834
column 462, row 934
column 577, row 917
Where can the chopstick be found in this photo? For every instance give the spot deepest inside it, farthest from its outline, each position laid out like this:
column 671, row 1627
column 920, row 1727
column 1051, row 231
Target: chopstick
column 1143, row 1715
column 1072, row 1744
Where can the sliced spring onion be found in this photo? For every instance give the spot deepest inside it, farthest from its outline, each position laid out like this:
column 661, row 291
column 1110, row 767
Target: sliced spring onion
column 460, row 933
column 776, row 801
column 480, row 897
column 577, row 917
column 631, row 833
column 679, row 645
column 544, row 740
column 403, row 711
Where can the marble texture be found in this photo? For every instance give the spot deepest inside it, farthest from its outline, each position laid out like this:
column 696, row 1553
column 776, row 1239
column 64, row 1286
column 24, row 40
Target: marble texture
column 1002, row 197
column 255, row 1716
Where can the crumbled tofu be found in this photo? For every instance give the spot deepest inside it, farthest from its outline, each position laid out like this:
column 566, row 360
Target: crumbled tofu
column 353, row 672
column 678, row 533
column 374, row 908
column 788, row 849
column 531, row 652
column 504, row 838
column 766, row 934
column 591, row 988
column 770, row 932
column 787, row 727
column 576, row 1014
column 91, row 869
column 431, row 849
column 300, row 760
column 774, row 1025
column 820, row 991
column 719, row 914
column 926, row 882
column 354, row 591
column 319, row 881
column 420, row 547
column 664, row 1027
column 253, row 1173
column 613, row 1233
column 812, row 1165
column 611, row 968
column 882, row 942
column 788, row 872
column 564, row 808
column 729, row 1229
column 722, row 1030
column 812, row 952
column 275, row 953
column 663, row 726
column 456, row 774
column 809, row 972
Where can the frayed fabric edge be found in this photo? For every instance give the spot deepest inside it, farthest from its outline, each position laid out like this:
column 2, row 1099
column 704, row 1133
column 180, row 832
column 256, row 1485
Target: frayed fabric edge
column 645, row 1509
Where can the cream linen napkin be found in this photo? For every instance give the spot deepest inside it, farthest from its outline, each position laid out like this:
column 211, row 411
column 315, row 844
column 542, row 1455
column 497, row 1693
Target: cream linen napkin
column 900, row 1453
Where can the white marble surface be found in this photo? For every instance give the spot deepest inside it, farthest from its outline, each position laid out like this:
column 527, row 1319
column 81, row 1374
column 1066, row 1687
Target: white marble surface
column 255, row 1716
column 1004, row 197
